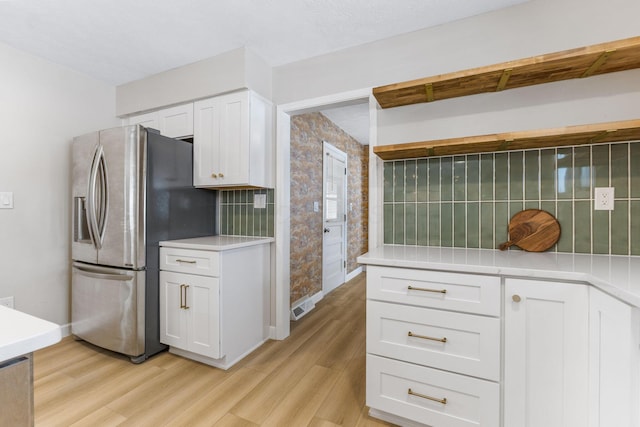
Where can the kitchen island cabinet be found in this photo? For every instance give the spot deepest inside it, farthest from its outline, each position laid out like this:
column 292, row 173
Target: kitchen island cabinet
column 20, row 336
column 214, row 297
column 568, row 350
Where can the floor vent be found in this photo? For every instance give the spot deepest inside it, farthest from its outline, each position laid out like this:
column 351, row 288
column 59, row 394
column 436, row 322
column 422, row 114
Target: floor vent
column 301, row 307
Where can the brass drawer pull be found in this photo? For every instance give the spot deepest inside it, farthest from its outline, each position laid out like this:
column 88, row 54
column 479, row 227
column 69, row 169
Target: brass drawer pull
column 186, row 261
column 439, row 291
column 424, row 337
column 424, row 396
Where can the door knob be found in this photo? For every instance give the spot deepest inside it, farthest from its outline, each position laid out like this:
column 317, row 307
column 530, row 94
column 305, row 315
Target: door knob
column 516, row 298
column 326, row 230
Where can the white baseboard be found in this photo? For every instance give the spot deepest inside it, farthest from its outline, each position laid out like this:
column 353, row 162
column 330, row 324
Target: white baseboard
column 317, row 297
column 394, row 419
column 354, row 273
column 65, row 330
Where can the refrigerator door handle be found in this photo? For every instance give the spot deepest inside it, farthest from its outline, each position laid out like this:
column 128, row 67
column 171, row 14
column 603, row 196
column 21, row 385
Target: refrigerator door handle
column 97, row 198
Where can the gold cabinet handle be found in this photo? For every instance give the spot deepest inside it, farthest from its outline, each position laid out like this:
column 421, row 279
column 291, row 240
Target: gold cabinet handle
column 516, row 298
column 183, row 296
column 221, row 175
column 424, row 396
column 424, row 337
column 439, row 291
column 186, row 261
column 214, row 175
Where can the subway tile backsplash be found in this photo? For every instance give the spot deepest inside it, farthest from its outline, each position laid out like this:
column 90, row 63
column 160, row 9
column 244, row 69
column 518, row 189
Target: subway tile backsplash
column 239, row 216
column 466, row 201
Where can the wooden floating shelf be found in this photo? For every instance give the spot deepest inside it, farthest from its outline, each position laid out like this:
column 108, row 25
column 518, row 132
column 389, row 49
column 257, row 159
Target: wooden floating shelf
column 627, row 130
column 570, row 64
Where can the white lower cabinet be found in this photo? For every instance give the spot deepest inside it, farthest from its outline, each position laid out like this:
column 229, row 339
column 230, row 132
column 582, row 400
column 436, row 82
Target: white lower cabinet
column 190, row 318
column 546, row 354
column 431, row 396
column 447, row 349
column 433, row 347
column 214, row 305
column 614, row 365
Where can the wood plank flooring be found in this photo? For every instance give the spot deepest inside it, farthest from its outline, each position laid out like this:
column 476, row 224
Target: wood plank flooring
column 316, row 377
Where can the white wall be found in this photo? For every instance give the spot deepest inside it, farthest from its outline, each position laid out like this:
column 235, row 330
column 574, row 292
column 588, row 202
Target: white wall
column 42, row 107
column 528, row 29
column 233, row 70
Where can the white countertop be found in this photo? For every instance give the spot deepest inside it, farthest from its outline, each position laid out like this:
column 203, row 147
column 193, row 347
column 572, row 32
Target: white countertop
column 216, row 243
column 616, row 275
column 21, row 333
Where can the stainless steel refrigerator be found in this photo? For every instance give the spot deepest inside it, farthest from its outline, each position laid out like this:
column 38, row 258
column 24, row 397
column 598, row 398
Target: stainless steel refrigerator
column 132, row 188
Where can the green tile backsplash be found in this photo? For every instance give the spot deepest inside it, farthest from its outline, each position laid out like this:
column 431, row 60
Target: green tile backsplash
column 466, row 201
column 239, row 217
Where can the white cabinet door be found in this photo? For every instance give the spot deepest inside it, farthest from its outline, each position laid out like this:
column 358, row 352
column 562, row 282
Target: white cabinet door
column 206, row 142
column 614, row 362
column 203, row 301
column 232, row 141
column 546, row 354
column 173, row 318
column 148, row 120
column 190, row 313
column 174, row 122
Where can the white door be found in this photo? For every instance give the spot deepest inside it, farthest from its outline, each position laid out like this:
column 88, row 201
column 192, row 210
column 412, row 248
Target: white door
column 546, row 354
column 334, row 189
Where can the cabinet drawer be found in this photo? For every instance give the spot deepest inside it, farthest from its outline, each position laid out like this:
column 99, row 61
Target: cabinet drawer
column 450, row 291
column 464, row 343
column 204, row 263
column 469, row 401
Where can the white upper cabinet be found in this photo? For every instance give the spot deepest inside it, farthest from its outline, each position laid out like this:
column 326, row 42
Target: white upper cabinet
column 174, row 122
column 232, row 141
column 546, row 354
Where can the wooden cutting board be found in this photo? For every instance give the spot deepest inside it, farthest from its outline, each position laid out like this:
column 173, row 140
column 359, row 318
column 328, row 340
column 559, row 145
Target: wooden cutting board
column 533, row 230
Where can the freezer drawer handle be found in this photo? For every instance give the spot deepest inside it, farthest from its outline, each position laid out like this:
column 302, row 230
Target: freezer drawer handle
column 186, row 261
column 439, row 291
column 183, row 296
column 424, row 337
column 106, row 276
column 424, row 396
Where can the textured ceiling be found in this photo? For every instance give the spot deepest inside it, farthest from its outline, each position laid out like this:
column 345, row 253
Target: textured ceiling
column 118, row 41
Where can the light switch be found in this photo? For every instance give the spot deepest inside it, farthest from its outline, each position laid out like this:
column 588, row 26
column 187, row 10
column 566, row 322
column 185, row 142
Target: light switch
column 259, row 201
column 6, row 200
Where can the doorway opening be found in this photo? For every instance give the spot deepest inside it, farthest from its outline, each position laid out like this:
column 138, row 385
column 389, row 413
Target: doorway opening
column 299, row 200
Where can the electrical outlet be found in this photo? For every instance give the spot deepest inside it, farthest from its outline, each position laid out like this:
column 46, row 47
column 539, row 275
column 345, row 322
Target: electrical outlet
column 259, row 201
column 7, row 302
column 604, row 198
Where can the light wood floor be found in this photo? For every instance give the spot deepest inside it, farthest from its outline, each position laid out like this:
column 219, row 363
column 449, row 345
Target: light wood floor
column 316, row 377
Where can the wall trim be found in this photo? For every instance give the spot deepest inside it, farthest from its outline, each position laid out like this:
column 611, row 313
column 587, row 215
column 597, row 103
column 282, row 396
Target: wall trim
column 281, row 288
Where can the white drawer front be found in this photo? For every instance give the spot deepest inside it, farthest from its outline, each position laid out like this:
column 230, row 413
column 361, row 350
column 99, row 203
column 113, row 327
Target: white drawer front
column 450, row 291
column 464, row 343
column 469, row 401
column 204, row 263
